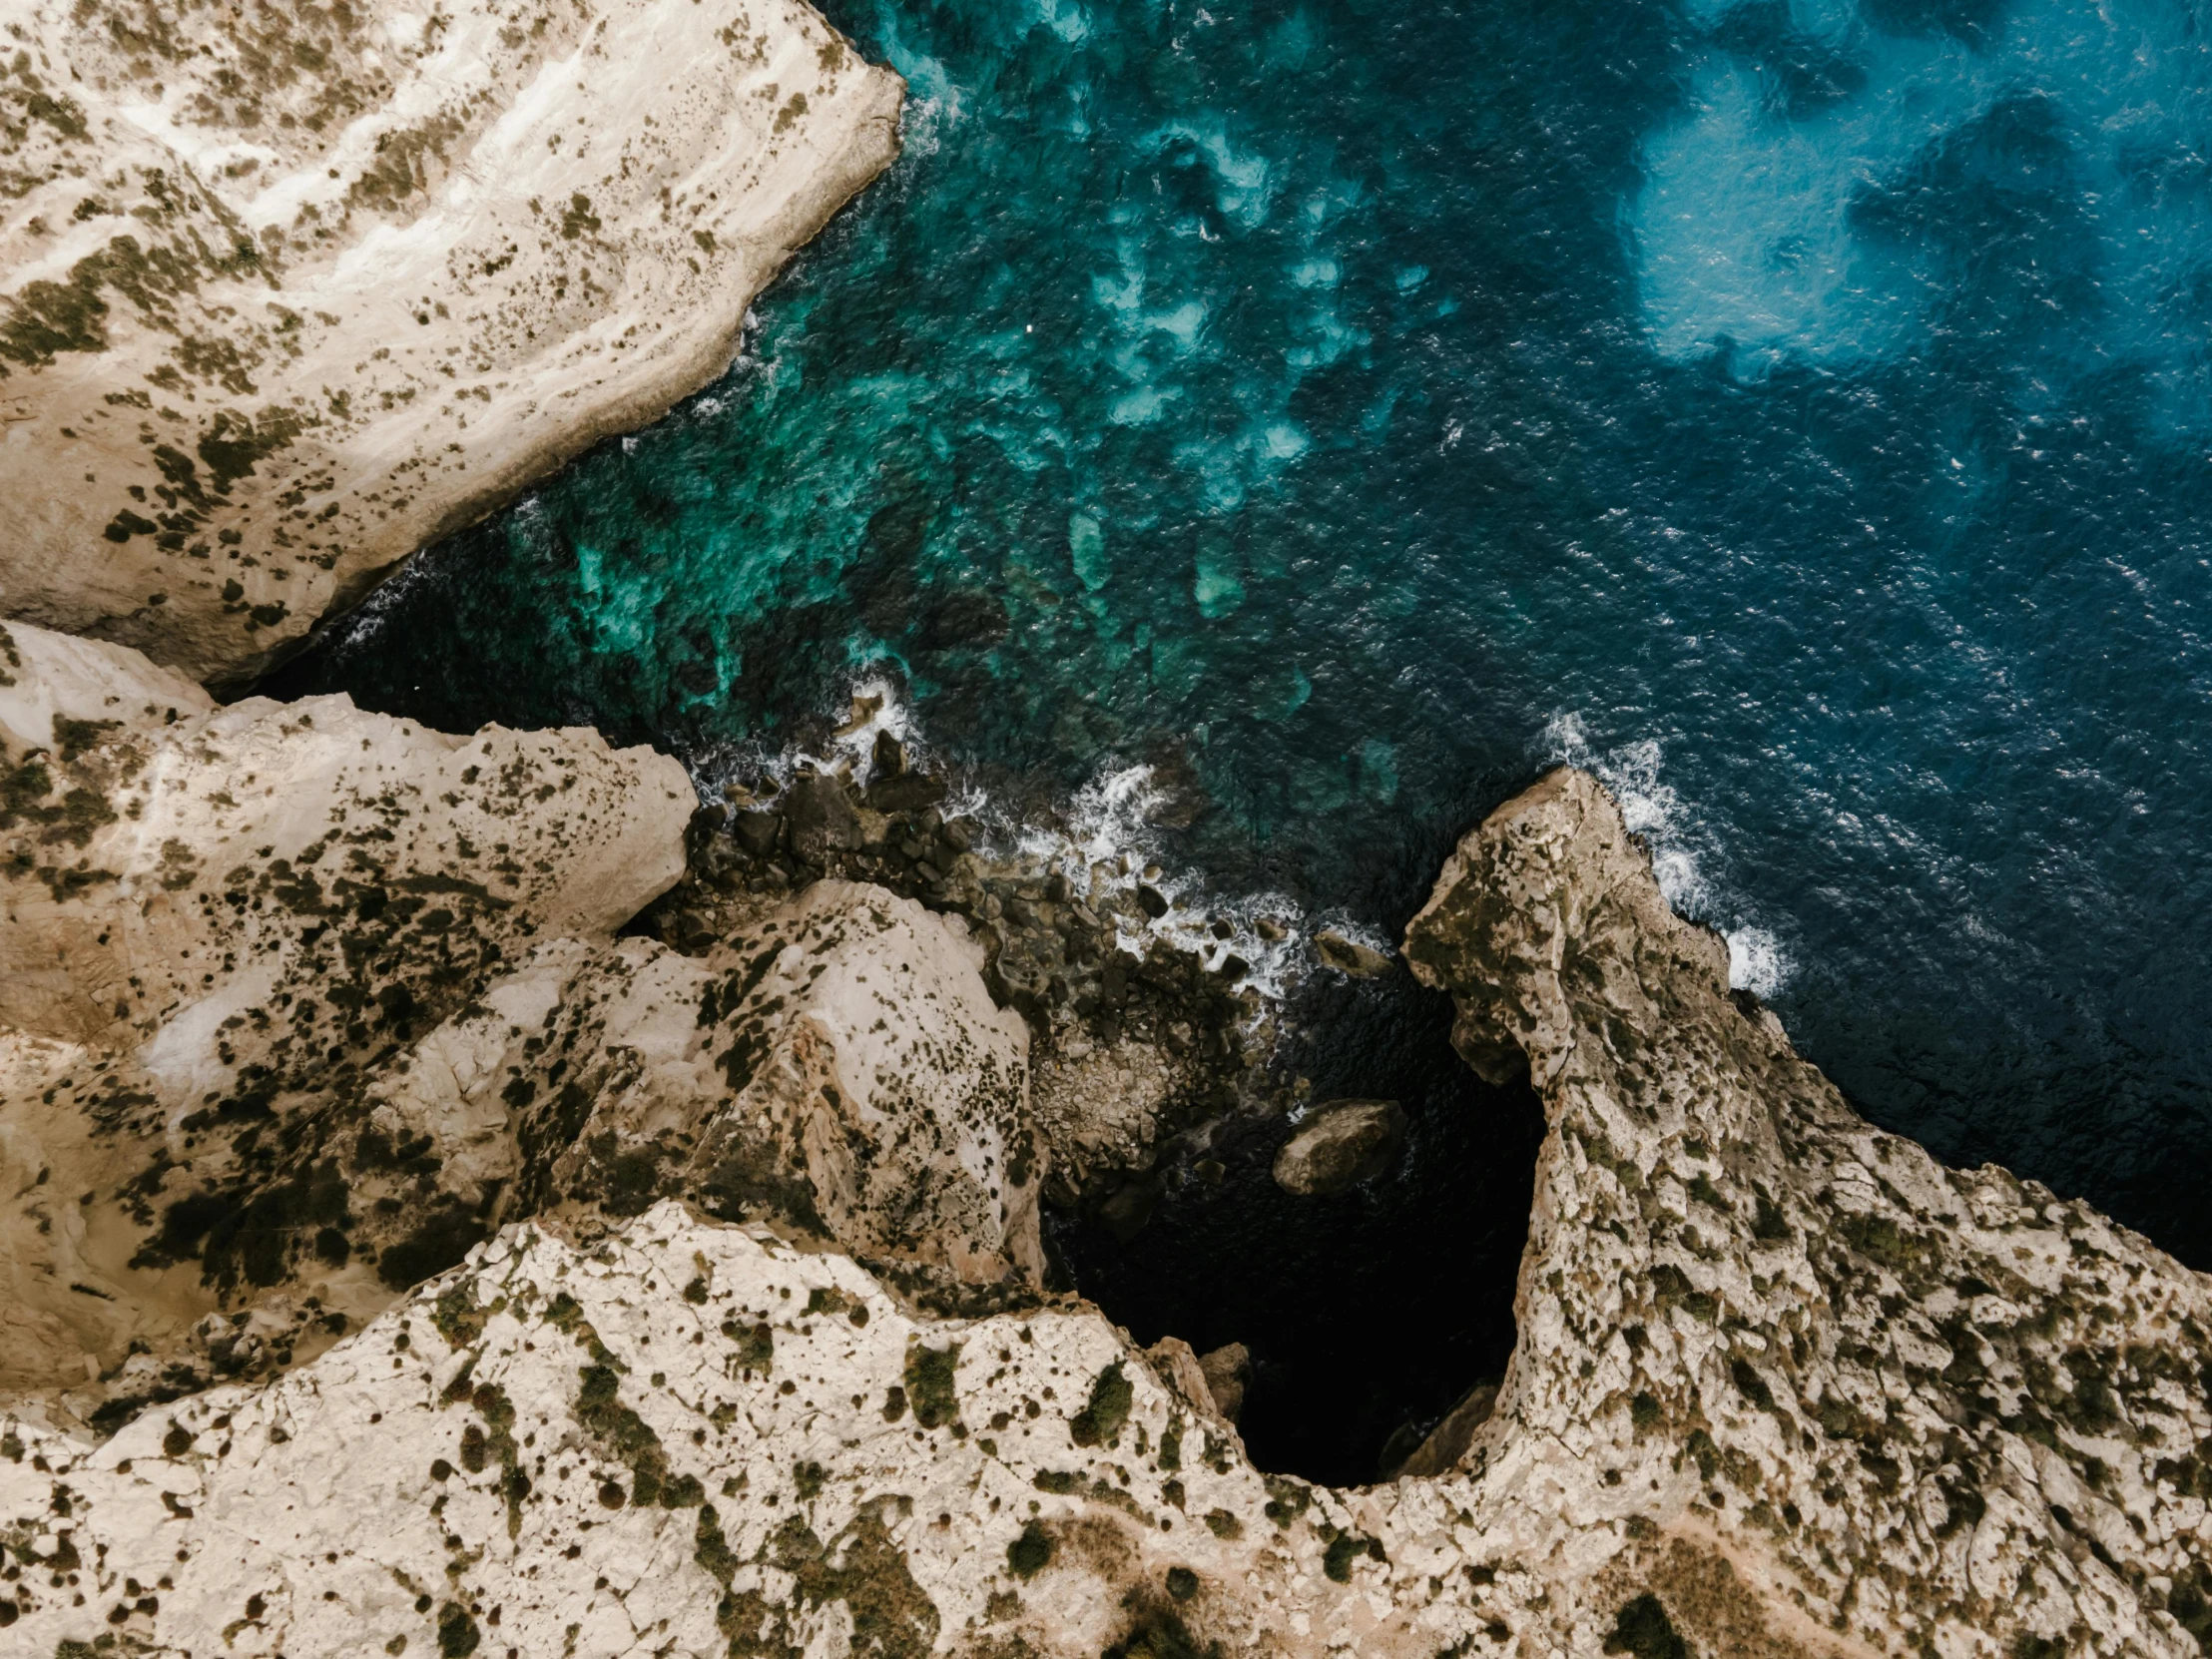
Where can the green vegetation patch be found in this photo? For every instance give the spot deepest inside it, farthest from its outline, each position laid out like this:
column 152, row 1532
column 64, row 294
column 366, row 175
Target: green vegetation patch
column 1643, row 1631
column 1100, row 1421
column 1029, row 1554
column 630, row 1439
column 929, row 1383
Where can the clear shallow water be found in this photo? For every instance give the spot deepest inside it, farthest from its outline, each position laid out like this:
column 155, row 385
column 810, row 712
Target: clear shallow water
column 1799, row 411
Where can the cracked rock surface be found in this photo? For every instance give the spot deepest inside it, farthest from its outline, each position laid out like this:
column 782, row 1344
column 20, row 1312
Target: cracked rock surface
column 289, row 290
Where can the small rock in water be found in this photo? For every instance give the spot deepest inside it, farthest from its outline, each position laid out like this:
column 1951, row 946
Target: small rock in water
column 890, row 758
column 1341, row 1145
column 1349, row 957
column 1227, row 1370
column 1154, row 902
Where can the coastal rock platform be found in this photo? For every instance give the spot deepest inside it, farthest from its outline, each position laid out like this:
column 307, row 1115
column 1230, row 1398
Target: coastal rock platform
column 1784, row 1386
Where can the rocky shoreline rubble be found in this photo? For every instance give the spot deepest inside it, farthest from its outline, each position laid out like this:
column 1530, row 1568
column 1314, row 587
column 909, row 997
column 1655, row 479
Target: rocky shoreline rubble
column 1146, row 1053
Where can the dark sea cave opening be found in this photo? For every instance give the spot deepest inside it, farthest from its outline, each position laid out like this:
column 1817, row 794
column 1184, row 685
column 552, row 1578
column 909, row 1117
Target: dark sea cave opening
column 1371, row 1312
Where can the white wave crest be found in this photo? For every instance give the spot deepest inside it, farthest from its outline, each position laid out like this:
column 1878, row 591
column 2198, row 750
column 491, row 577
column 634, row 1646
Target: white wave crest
column 1107, row 844
column 1109, row 847
column 1758, row 961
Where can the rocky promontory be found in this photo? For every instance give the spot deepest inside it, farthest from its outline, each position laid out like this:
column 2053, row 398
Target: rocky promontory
column 289, row 290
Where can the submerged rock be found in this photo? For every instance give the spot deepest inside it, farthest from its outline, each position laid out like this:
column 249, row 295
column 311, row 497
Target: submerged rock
column 1349, row 957
column 1341, row 1145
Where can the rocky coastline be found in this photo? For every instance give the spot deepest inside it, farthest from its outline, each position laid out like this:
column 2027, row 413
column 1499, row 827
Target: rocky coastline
column 459, row 1195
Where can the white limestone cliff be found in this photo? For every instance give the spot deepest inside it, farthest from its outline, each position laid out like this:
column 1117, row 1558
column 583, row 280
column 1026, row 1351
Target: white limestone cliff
column 289, row 290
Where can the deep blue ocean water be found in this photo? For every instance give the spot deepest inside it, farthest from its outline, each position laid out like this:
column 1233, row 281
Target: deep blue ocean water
column 1800, row 411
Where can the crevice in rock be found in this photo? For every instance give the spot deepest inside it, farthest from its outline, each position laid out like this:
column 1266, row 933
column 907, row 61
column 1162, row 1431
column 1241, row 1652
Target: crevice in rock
column 1370, row 1313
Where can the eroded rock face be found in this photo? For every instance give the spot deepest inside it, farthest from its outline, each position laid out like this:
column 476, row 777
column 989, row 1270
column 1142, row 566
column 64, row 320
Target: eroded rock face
column 369, row 1006
column 181, row 877
column 1785, row 1387
column 218, row 927
column 287, row 292
column 1918, row 1408
column 838, row 1065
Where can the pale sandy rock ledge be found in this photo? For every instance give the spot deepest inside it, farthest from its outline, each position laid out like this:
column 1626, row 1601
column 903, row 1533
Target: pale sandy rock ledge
column 289, row 290
column 1785, row 1387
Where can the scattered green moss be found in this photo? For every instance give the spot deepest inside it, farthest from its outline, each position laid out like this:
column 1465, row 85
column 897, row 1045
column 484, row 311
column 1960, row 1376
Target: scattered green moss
column 1344, row 1549
column 864, row 1568
column 630, row 1439
column 1880, row 1239
column 1642, row 1630
column 1287, row 1499
column 1671, row 1286
column 1750, row 1384
column 457, row 1632
column 1100, row 1421
column 1222, row 1524
column 756, row 1345
column 1027, row 1555
column 577, row 218
column 459, row 1321
column 710, row 1550
column 929, row 1383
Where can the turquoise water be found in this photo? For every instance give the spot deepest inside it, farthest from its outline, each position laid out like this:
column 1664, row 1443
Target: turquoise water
column 1800, row 411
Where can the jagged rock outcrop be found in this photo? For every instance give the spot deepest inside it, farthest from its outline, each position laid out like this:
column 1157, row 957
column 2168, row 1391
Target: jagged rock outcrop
column 1785, row 1387
column 1911, row 1408
column 1142, row 1050
column 216, row 921
column 299, row 1002
column 287, row 292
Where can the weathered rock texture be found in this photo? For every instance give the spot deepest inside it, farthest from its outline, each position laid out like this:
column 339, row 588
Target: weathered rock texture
column 1785, row 1387
column 288, row 291
column 1919, row 1409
